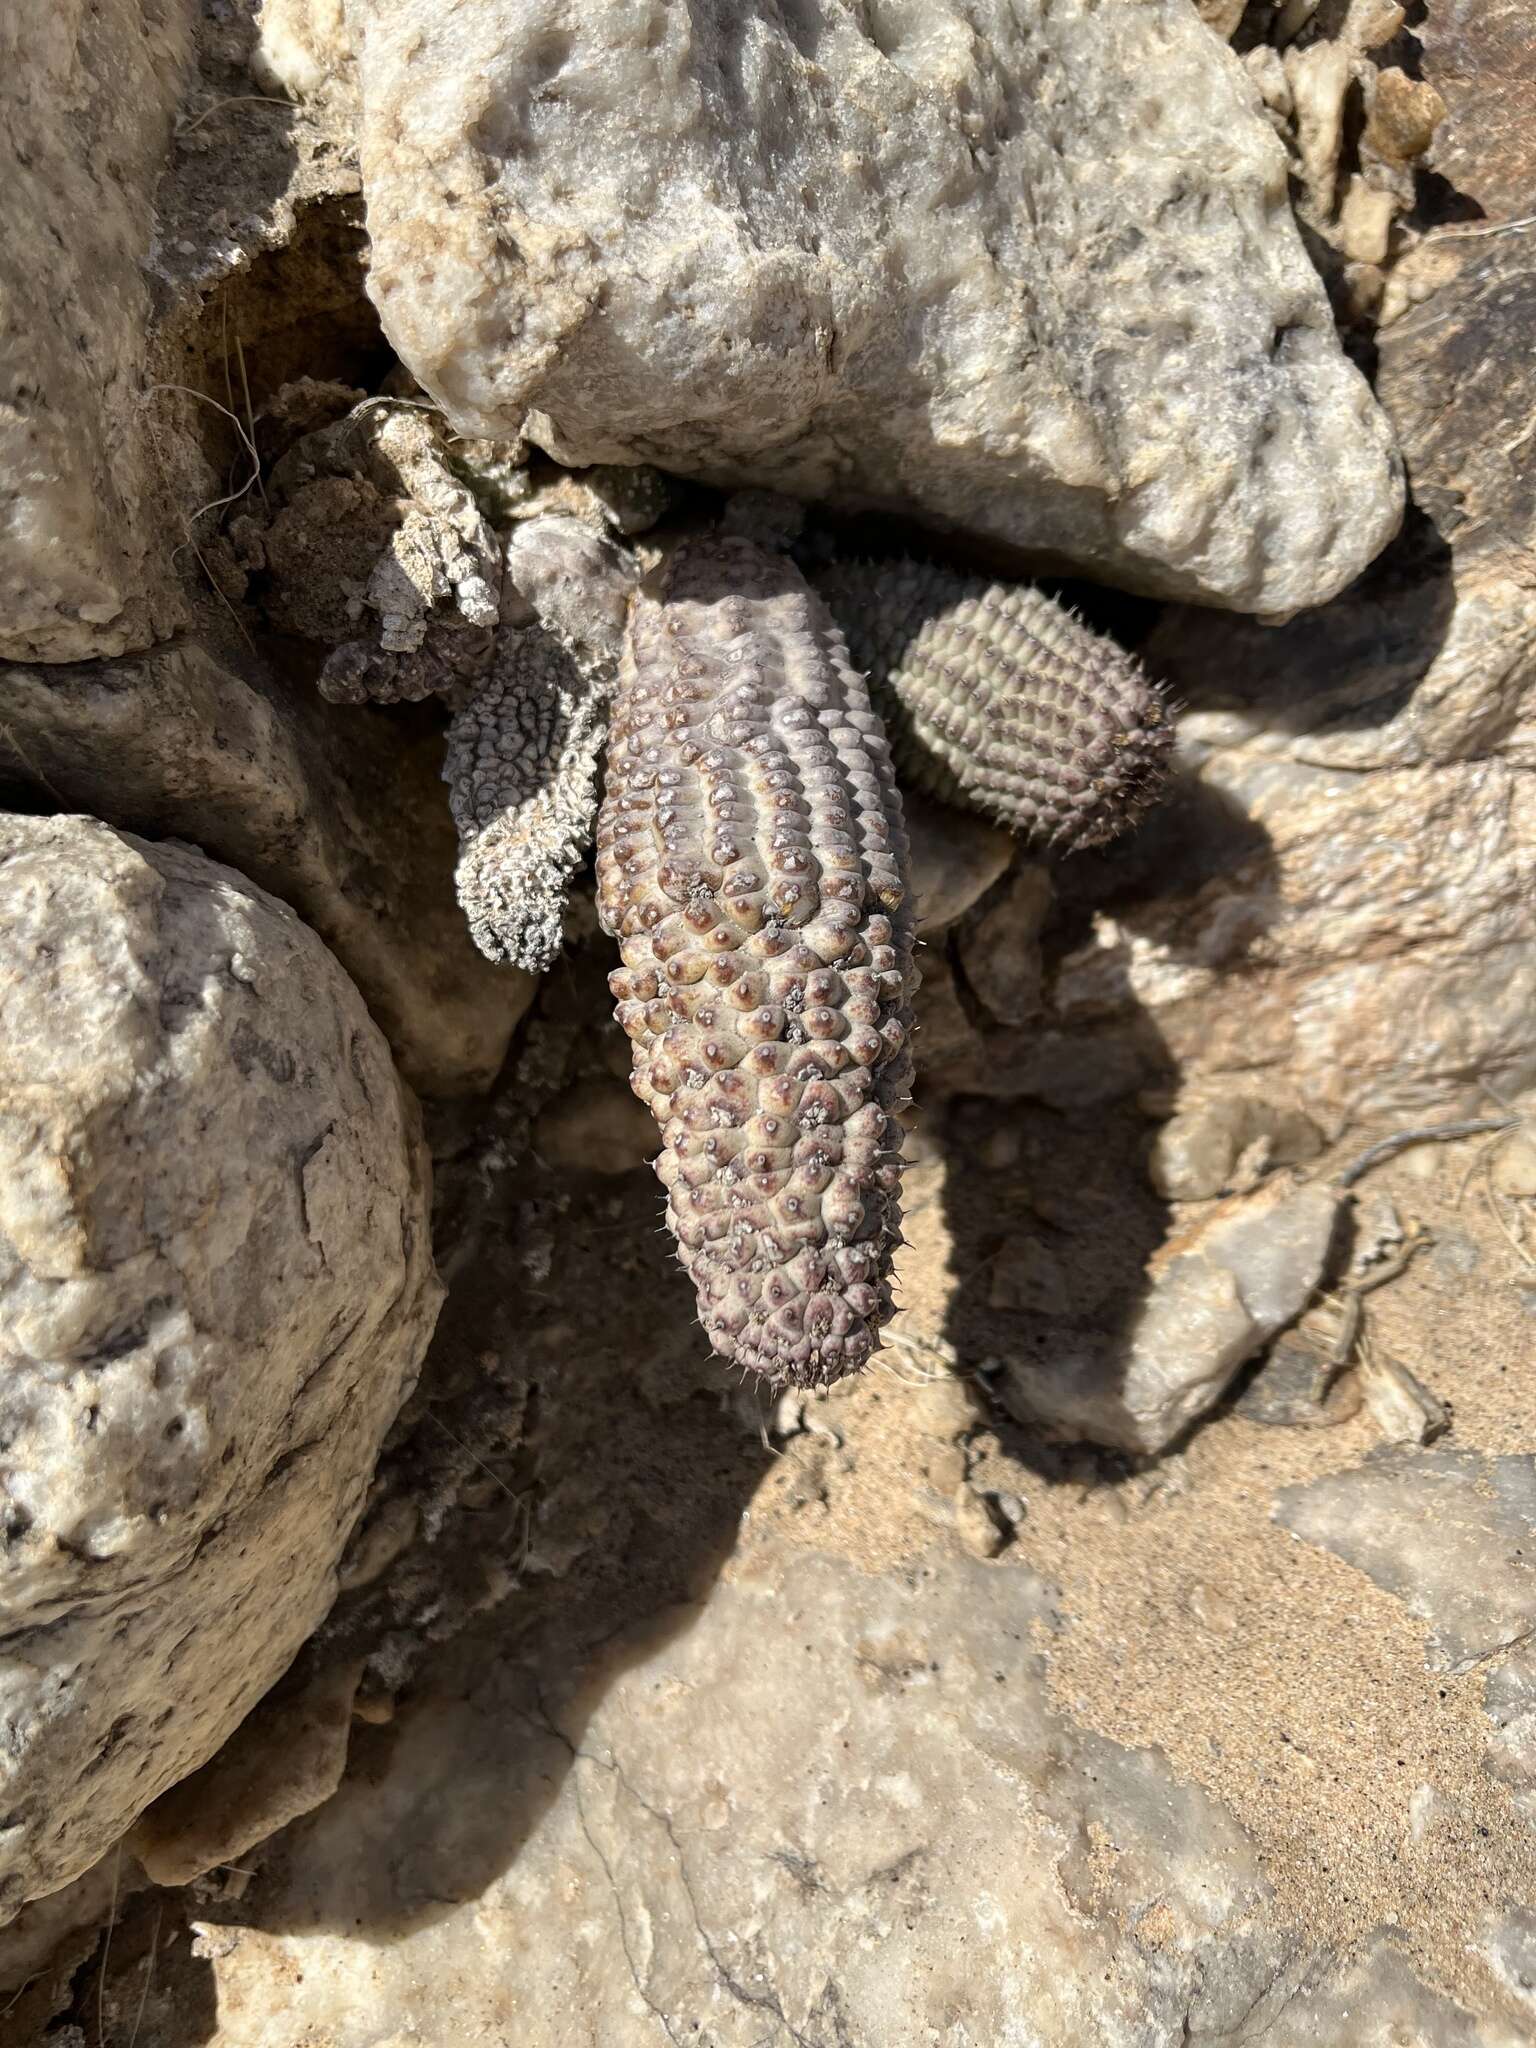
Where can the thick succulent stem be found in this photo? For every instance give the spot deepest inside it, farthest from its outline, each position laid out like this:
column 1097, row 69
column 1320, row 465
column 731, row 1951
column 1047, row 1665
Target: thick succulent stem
column 1000, row 700
column 752, row 865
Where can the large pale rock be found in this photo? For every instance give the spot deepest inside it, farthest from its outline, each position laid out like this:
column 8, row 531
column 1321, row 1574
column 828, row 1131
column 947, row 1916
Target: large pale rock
column 913, row 1843
column 1025, row 269
column 840, row 1875
column 86, row 98
column 216, row 1286
column 340, row 814
column 956, row 857
column 284, row 1759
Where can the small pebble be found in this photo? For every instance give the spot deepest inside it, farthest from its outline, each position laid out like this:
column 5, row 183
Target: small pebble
column 946, row 1468
column 1028, row 1278
column 943, row 1408
column 1000, row 953
column 1283, row 1393
column 1378, row 1231
column 979, row 1528
column 1000, row 1149
column 1402, row 1408
column 1213, row 1607
column 1454, row 1255
column 1513, row 1166
column 1226, row 1144
column 956, row 857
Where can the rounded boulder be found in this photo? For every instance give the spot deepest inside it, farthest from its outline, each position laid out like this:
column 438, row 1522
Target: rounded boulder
column 216, row 1287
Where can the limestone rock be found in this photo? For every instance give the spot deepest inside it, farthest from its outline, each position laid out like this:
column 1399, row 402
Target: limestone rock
column 955, row 859
column 217, row 1286
column 1199, row 1152
column 1378, row 907
column 697, row 238
column 85, row 119
column 1000, row 951
column 1383, row 933
column 355, row 835
column 766, row 1916
column 285, row 1758
column 1220, row 1292
column 1479, row 56
column 1374, row 2000
column 1452, row 1533
column 666, row 1881
column 1509, row 1946
column 1509, row 1699
column 1400, row 1405
column 1295, row 1389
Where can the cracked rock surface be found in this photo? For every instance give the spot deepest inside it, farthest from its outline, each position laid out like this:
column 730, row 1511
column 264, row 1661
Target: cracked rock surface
column 899, row 1718
column 217, row 1285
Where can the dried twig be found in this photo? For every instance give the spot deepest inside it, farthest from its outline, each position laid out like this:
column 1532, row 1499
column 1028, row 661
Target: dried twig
column 250, row 417
column 454, row 1437
column 18, row 1995
column 247, row 438
column 1513, row 1241
column 30, row 765
column 242, row 99
column 214, row 504
column 1478, row 234
column 1349, row 1303
column 1419, row 1134
column 149, row 1971
column 919, row 1349
column 106, row 1950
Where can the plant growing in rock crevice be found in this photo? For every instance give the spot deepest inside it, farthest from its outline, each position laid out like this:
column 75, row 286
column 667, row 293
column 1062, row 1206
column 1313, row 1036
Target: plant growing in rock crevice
column 751, row 851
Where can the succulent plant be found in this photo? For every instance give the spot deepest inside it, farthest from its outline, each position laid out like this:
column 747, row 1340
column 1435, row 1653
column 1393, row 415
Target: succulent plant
column 521, row 767
column 999, row 699
column 751, row 855
column 522, row 758
column 751, row 864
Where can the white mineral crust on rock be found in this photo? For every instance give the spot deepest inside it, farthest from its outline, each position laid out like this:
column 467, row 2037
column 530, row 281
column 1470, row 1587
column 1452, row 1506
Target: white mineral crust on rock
column 1027, row 270
column 216, row 1285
